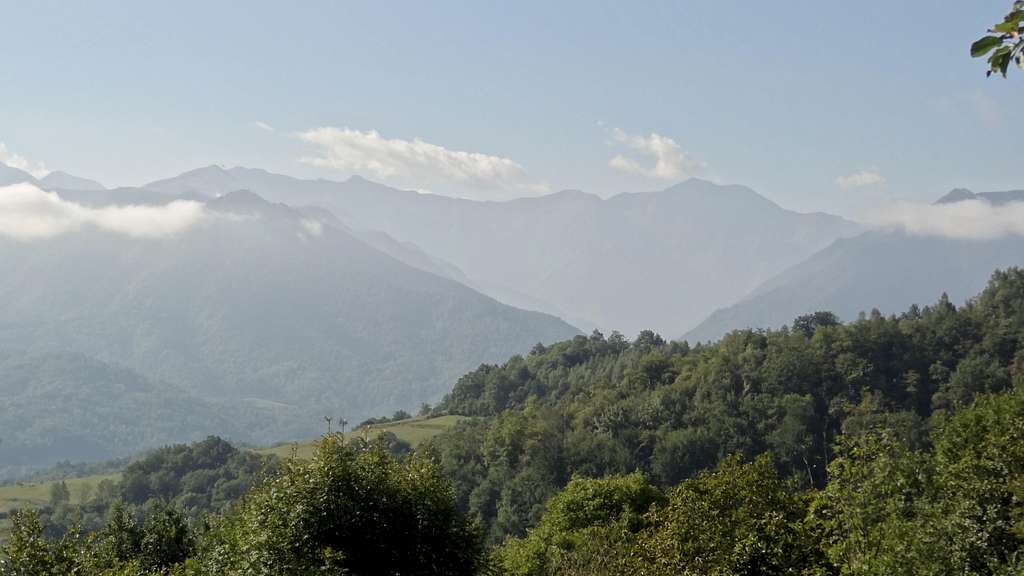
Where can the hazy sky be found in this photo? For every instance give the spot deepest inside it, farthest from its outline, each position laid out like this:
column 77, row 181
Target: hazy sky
column 819, row 105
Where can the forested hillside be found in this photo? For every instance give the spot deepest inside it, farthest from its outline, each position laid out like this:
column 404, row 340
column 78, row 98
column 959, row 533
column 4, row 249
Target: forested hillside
column 596, row 406
column 105, row 411
column 889, row 445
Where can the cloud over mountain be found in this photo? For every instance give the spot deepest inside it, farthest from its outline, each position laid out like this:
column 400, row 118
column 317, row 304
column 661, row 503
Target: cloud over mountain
column 28, row 213
column 671, row 162
column 964, row 220
column 36, row 169
column 413, row 161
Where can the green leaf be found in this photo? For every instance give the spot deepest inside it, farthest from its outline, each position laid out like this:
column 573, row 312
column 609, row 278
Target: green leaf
column 1015, row 16
column 1006, row 27
column 1000, row 60
column 1004, row 51
column 985, row 45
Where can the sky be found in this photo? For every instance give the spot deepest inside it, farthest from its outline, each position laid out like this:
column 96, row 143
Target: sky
column 821, row 106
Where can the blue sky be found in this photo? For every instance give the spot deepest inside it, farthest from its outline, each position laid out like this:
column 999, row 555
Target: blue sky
column 786, row 97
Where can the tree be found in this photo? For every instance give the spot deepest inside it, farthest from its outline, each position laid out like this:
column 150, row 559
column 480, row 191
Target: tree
column 167, row 539
column 738, row 520
column 873, row 516
column 587, row 528
column 345, row 512
column 28, row 552
column 979, row 461
column 59, row 493
column 809, row 323
column 1004, row 43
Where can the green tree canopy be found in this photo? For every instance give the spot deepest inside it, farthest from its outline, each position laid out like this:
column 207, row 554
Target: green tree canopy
column 345, row 512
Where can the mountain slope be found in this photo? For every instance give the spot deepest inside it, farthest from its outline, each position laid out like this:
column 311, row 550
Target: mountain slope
column 60, row 180
column 66, row 406
column 263, row 308
column 9, row 175
column 994, row 198
column 884, row 270
column 657, row 260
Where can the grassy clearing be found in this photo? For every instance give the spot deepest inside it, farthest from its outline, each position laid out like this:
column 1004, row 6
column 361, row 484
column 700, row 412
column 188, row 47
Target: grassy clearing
column 30, row 495
column 414, row 431
column 36, row 494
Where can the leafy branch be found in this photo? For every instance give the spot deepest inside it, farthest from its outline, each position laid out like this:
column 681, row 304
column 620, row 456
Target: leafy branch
column 1004, row 42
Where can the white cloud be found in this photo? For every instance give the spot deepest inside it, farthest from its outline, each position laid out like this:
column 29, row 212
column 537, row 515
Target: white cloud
column 965, row 220
column 263, row 126
column 36, row 169
column 413, row 162
column 313, row 227
column 28, row 213
column 860, row 179
column 671, row 162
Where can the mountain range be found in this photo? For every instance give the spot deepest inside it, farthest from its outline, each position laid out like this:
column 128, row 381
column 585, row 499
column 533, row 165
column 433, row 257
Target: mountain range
column 656, row 260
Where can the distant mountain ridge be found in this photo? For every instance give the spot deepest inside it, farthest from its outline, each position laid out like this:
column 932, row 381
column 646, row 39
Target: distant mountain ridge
column 887, row 270
column 996, row 198
column 10, row 175
column 57, row 180
column 633, row 261
column 60, row 180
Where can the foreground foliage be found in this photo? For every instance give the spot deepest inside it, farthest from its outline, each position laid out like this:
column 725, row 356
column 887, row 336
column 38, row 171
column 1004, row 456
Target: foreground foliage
column 346, row 511
column 1003, row 44
column 887, row 510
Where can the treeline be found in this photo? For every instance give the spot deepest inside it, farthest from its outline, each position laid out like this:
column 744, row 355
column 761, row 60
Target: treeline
column 194, row 479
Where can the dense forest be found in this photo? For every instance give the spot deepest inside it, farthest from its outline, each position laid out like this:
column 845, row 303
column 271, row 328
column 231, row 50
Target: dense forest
column 596, row 406
column 887, row 445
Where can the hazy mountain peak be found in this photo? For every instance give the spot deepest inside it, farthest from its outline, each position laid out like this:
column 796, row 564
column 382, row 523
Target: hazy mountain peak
column 575, row 192
column 570, row 194
column 701, row 186
column 10, row 175
column 956, row 195
column 242, row 196
column 210, row 180
column 209, row 169
column 64, row 181
column 246, row 202
column 695, row 182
